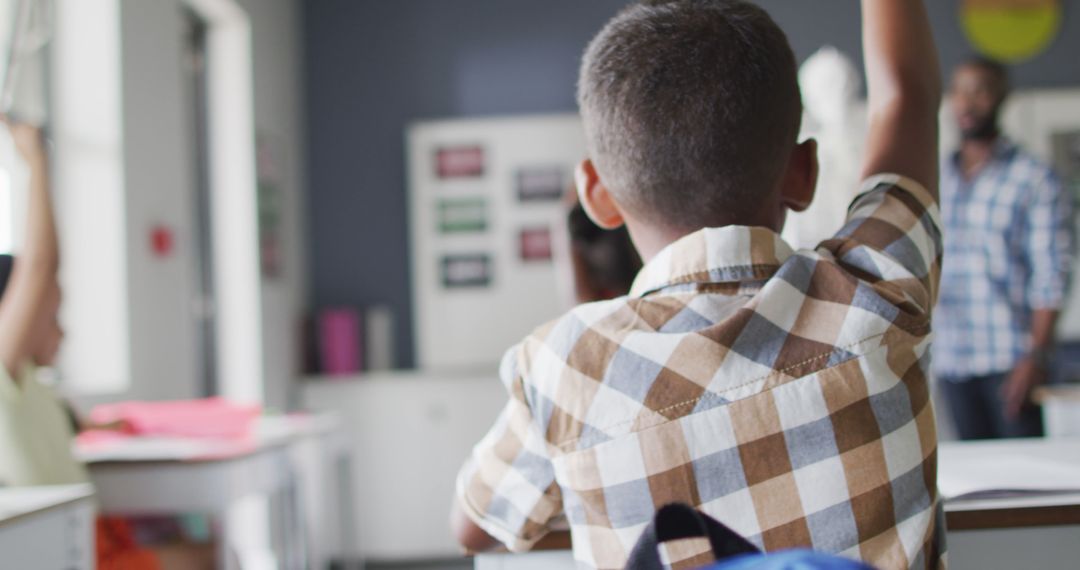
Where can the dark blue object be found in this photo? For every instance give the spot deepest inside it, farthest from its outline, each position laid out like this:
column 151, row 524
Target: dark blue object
column 788, row 560
column 732, row 552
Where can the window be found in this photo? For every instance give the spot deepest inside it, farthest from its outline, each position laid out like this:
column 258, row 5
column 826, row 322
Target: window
column 88, row 188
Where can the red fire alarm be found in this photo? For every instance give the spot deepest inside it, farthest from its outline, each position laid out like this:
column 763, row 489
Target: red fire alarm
column 161, row 240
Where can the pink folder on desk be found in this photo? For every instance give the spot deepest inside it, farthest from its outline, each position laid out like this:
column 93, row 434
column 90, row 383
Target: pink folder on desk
column 209, row 417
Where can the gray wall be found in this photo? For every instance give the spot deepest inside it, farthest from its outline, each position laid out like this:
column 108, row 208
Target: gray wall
column 375, row 65
column 278, row 92
column 159, row 189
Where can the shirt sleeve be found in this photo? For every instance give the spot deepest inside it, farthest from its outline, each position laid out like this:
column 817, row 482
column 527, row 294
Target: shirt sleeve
column 892, row 239
column 507, row 486
column 1049, row 242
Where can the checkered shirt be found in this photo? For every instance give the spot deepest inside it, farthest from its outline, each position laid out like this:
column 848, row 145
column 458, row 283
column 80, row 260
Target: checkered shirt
column 1009, row 240
column 783, row 393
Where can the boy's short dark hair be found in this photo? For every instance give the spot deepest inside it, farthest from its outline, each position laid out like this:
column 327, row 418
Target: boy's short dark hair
column 691, row 109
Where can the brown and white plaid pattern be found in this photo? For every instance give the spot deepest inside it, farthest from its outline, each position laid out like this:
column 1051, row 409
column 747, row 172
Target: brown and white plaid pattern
column 784, row 393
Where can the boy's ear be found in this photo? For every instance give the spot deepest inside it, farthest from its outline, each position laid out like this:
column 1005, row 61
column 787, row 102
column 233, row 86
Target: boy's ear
column 800, row 180
column 595, row 198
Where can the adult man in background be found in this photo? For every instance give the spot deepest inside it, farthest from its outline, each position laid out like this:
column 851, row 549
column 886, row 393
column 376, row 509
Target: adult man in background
column 1008, row 256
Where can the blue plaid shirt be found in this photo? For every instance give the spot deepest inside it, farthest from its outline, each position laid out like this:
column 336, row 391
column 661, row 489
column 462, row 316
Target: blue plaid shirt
column 1009, row 239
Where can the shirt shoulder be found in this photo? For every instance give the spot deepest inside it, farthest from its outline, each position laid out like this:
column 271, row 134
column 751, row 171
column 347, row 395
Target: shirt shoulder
column 1030, row 170
column 1023, row 157
column 892, row 242
column 554, row 341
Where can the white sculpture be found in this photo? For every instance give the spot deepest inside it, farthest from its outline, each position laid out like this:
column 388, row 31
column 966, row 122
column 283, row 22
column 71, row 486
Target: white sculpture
column 835, row 115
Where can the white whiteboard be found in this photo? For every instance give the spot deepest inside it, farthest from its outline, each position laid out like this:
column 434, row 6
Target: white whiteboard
column 472, row 323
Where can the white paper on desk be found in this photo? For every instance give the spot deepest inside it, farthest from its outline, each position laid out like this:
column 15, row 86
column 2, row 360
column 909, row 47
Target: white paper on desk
column 1005, row 474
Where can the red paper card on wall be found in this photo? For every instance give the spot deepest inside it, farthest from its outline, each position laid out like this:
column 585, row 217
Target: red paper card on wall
column 460, row 162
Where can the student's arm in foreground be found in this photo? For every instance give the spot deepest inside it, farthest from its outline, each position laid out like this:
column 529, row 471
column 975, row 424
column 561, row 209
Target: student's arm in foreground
column 508, row 474
column 37, row 263
column 904, row 85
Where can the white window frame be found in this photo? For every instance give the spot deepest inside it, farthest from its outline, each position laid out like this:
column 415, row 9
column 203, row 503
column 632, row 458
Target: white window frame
column 233, row 189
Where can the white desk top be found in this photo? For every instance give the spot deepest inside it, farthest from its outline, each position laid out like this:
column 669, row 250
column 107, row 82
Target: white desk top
column 1014, row 503
column 1067, row 449
column 1043, row 473
column 1039, row 471
column 269, row 432
column 16, row 502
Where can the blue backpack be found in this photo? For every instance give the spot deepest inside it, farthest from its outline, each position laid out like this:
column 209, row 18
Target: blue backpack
column 732, row 552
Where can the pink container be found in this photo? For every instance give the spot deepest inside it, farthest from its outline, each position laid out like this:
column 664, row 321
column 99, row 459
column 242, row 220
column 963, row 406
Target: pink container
column 339, row 341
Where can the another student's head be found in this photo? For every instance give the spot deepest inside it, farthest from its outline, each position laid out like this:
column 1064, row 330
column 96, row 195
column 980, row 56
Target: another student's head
column 604, row 261
column 692, row 112
column 46, row 334
column 978, row 92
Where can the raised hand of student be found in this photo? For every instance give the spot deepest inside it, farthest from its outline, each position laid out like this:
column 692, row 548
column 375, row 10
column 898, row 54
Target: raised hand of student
column 29, row 302
column 29, row 142
column 904, row 86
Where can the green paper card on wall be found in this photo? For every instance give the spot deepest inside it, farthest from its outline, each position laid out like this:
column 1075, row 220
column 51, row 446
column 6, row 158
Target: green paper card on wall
column 462, row 215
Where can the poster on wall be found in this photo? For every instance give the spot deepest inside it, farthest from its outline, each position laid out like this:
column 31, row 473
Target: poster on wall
column 486, row 219
column 462, row 215
column 466, row 271
column 1011, row 30
column 270, row 206
column 535, row 244
column 464, row 161
column 542, row 184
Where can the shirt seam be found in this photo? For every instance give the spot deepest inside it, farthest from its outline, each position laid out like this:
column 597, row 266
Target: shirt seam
column 674, row 280
column 713, row 394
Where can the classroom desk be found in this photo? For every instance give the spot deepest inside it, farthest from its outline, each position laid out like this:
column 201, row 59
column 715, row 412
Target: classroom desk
column 219, row 477
column 47, row 528
column 1017, row 532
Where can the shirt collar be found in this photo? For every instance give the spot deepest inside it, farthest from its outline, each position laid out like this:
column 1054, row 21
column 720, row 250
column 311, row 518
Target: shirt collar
column 732, row 254
column 1004, row 148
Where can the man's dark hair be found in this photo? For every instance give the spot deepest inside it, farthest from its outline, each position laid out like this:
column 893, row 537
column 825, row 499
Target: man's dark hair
column 691, row 109
column 992, row 67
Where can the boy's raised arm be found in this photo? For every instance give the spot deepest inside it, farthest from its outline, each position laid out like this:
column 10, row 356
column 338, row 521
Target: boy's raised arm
column 36, row 267
column 904, row 84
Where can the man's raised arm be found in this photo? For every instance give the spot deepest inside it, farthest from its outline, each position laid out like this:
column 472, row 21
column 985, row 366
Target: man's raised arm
column 904, row 84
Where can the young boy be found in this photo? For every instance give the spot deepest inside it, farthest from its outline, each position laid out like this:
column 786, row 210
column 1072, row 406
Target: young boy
column 783, row 393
